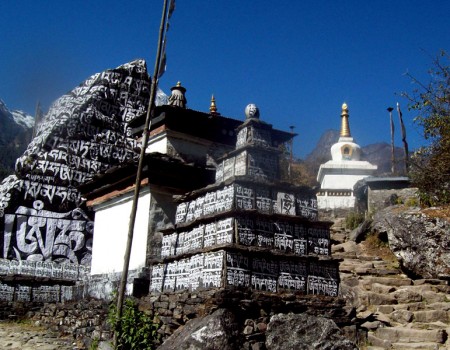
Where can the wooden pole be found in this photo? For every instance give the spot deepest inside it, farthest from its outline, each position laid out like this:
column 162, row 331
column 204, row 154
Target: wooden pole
column 405, row 144
column 137, row 187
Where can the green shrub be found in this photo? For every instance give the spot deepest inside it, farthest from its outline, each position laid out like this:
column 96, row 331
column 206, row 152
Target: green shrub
column 412, row 202
column 94, row 344
column 136, row 330
column 353, row 220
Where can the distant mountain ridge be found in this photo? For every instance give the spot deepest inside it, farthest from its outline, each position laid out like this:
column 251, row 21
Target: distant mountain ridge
column 16, row 128
column 377, row 153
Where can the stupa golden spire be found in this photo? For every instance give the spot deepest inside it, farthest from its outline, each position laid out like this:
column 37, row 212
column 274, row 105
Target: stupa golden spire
column 345, row 127
column 212, row 107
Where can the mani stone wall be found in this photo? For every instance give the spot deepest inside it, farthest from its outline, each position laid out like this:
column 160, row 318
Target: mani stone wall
column 40, row 281
column 217, row 243
column 247, row 231
column 69, row 283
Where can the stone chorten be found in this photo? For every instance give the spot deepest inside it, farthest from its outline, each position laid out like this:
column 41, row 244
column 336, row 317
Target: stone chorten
column 338, row 176
column 178, row 98
column 248, row 230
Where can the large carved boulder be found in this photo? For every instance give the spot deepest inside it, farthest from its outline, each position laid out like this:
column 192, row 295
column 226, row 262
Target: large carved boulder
column 305, row 332
column 85, row 132
column 419, row 238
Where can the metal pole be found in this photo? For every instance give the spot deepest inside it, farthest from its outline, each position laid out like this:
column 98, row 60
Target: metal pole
column 390, row 109
column 126, row 262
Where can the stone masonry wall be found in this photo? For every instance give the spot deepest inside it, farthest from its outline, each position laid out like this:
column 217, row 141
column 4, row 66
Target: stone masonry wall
column 87, row 319
column 380, row 198
column 83, row 320
column 253, row 309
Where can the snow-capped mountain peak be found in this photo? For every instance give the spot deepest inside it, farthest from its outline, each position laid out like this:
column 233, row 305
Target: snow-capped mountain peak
column 21, row 118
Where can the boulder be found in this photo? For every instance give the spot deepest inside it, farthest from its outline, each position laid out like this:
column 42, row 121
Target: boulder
column 215, row 331
column 359, row 233
column 419, row 238
column 304, row 332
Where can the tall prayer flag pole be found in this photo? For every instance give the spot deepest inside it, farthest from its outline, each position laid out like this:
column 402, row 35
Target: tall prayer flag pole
column 156, row 74
column 405, row 144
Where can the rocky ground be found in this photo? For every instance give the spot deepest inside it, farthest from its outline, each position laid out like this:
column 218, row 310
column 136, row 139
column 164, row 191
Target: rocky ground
column 398, row 312
column 25, row 336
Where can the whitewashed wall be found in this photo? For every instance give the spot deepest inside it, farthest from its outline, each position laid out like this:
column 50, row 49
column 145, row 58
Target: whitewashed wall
column 157, row 144
column 340, row 181
column 335, row 202
column 111, row 231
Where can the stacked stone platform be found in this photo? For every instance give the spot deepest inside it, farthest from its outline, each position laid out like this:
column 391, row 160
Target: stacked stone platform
column 248, row 230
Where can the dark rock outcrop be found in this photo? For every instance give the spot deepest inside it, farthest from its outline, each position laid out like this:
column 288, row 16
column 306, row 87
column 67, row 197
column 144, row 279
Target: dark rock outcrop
column 419, row 239
column 221, row 330
column 304, row 332
column 359, row 233
column 215, row 331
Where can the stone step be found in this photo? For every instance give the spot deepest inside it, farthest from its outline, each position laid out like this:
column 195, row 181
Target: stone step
column 430, row 326
column 386, row 272
column 373, row 340
column 355, row 267
column 407, row 335
column 405, row 295
column 430, row 281
column 420, row 319
column 428, row 289
column 382, row 288
column 389, row 281
column 363, row 257
column 401, row 316
column 376, row 272
column 413, row 306
column 431, row 316
column 415, row 346
column 344, row 255
column 339, row 237
column 438, row 306
column 385, row 309
column 435, row 297
column 372, row 299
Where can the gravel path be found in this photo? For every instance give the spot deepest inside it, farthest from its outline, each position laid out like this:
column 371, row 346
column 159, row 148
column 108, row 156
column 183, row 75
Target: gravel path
column 25, row 336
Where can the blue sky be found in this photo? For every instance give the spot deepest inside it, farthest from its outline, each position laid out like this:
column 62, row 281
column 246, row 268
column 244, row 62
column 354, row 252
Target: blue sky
column 297, row 60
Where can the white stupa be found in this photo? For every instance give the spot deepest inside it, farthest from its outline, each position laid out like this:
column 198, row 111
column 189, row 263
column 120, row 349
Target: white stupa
column 338, row 176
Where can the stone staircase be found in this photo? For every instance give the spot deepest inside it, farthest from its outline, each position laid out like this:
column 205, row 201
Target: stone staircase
column 394, row 311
